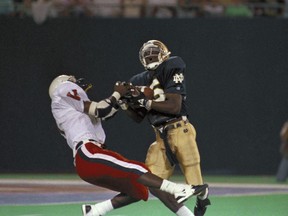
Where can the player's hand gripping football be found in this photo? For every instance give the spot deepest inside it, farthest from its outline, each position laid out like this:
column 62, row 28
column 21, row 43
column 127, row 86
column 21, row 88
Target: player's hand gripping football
column 139, row 96
column 143, row 101
column 122, row 88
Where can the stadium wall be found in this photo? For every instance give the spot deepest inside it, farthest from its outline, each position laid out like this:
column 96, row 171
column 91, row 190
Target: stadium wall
column 237, row 77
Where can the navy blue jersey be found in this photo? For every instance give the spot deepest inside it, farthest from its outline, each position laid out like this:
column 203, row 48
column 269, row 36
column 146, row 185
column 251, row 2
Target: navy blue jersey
column 170, row 77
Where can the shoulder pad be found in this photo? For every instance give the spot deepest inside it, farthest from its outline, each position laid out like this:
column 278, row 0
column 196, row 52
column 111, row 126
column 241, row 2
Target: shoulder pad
column 175, row 62
column 139, row 79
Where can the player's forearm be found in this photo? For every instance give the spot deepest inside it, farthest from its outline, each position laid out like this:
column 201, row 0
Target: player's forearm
column 172, row 104
column 134, row 115
column 102, row 108
column 164, row 107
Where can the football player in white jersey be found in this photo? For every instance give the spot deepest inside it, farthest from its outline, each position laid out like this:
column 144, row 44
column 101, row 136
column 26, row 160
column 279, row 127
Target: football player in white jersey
column 79, row 121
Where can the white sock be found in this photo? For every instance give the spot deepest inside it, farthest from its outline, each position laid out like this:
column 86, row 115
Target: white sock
column 184, row 211
column 171, row 187
column 104, row 207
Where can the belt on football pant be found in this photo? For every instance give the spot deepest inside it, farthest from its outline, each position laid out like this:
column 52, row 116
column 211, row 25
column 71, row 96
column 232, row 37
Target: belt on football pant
column 172, row 124
column 163, row 130
column 79, row 144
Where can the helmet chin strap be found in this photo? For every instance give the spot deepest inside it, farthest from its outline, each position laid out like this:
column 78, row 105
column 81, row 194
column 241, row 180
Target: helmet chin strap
column 153, row 65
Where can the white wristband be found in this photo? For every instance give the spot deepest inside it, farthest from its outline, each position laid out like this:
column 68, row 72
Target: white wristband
column 93, row 109
column 116, row 95
column 148, row 105
column 124, row 106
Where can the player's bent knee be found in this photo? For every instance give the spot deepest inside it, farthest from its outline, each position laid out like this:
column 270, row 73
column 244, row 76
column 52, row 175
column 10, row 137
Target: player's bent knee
column 123, row 200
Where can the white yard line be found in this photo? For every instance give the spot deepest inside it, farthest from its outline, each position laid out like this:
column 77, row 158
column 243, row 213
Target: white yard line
column 83, row 183
column 248, row 185
column 42, row 182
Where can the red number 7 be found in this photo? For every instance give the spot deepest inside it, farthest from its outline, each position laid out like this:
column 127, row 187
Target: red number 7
column 74, row 95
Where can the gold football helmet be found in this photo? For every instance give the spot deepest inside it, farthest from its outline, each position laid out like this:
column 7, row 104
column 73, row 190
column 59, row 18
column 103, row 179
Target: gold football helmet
column 153, row 53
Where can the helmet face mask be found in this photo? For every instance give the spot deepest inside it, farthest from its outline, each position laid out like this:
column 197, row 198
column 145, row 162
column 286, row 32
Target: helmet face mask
column 83, row 84
column 153, row 53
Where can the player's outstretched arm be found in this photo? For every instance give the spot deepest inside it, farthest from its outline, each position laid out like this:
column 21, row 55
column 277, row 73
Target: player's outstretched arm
column 108, row 107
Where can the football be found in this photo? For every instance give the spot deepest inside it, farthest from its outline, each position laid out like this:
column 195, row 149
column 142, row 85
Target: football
column 147, row 91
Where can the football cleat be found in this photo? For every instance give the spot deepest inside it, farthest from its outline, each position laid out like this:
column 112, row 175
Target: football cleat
column 88, row 210
column 201, row 206
column 188, row 191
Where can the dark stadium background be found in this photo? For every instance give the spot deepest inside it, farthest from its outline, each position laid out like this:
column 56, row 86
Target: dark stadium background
column 237, row 82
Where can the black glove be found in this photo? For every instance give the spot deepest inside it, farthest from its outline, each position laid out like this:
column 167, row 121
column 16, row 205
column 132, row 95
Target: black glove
column 122, row 88
column 123, row 104
column 140, row 101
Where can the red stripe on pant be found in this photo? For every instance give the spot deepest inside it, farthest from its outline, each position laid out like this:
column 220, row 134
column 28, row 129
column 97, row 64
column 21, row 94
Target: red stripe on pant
column 105, row 174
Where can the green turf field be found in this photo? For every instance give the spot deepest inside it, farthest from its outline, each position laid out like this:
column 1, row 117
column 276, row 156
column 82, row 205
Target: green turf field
column 234, row 205
column 262, row 179
column 268, row 205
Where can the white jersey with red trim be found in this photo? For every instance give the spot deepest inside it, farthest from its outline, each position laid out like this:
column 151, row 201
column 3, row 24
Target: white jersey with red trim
column 68, row 110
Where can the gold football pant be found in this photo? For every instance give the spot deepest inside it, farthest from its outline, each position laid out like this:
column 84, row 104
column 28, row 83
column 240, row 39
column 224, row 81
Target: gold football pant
column 182, row 141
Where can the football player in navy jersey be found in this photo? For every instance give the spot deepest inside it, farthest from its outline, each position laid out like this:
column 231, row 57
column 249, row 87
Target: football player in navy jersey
column 167, row 113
